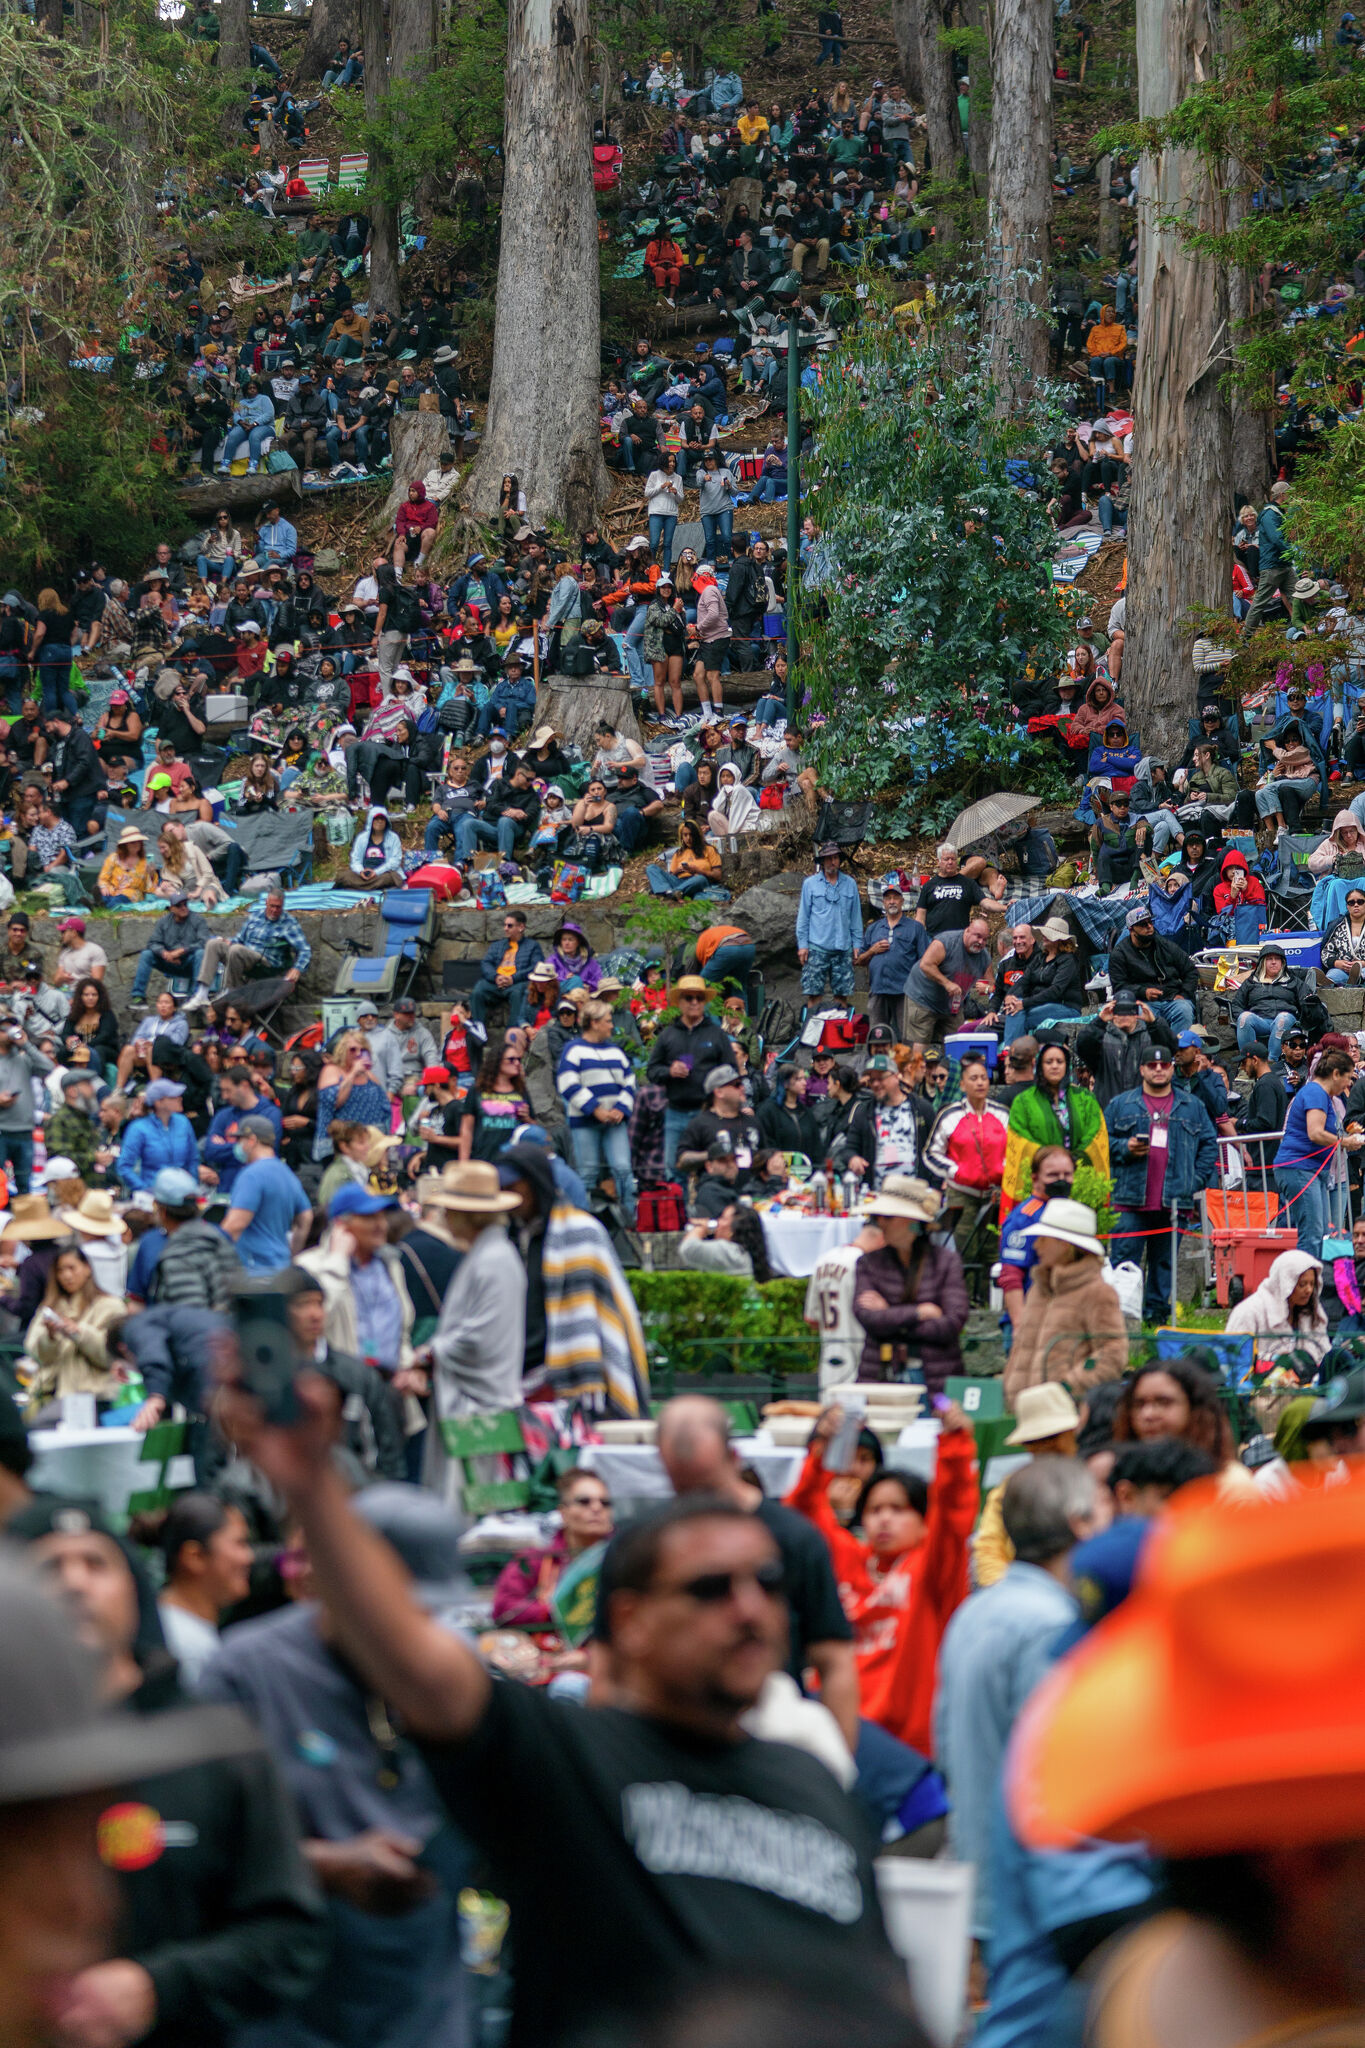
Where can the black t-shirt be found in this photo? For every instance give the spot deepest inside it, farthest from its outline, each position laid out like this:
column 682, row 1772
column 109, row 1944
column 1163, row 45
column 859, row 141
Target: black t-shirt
column 948, row 902
column 742, row 1130
column 636, row 1859
column 817, row 1613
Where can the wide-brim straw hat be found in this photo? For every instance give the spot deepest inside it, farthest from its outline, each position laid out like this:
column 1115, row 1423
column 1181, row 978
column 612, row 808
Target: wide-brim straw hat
column 1056, row 931
column 474, row 1187
column 904, row 1194
column 95, row 1217
column 130, row 836
column 30, row 1220
column 377, row 1151
column 1043, row 1412
column 1069, row 1223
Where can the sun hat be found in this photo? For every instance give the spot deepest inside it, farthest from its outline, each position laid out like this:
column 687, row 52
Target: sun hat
column 162, row 1091
column 1041, row 1412
column 1305, row 587
column 130, row 836
column 30, row 1220
column 827, row 851
column 690, row 985
column 354, row 1200
column 95, row 1217
column 472, row 1185
column 542, row 736
column 377, row 1149
column 904, row 1194
column 1221, row 1709
column 542, row 971
column 1069, row 1223
column 174, row 1187
column 1057, row 930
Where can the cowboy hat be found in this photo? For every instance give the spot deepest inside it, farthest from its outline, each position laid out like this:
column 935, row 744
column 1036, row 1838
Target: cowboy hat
column 473, row 1186
column 377, row 1151
column 1219, row 1710
column 1069, row 1223
column 30, row 1219
column 904, row 1194
column 1057, row 931
column 95, row 1217
column 1042, row 1412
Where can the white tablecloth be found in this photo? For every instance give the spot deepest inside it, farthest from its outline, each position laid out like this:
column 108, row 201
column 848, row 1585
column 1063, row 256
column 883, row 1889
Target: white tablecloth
column 97, row 1464
column 635, row 1472
column 797, row 1243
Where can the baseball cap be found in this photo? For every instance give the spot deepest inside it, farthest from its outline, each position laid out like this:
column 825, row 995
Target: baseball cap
column 164, row 1090
column 878, row 1064
column 721, row 1077
column 355, row 1200
column 405, row 1003
column 260, row 1128
column 1188, row 1038
column 1138, row 913
column 432, row 1077
column 72, row 924
column 1125, row 1006
column 1156, row 1056
column 175, row 1187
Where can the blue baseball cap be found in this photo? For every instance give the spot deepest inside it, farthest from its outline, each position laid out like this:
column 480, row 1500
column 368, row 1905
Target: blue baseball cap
column 1190, row 1038
column 175, row 1187
column 358, row 1201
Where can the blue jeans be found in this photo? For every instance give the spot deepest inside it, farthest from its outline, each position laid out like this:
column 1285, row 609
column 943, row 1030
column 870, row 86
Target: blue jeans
column 1177, row 1011
column 437, row 830
column 769, row 709
column 827, row 963
column 675, row 1123
column 261, row 60
column 661, row 525
column 831, row 47
column 16, row 1148
column 662, row 883
column 1030, row 1020
column 1144, row 1236
column 1251, row 1029
column 349, row 73
column 355, row 449
column 633, row 635
column 1303, row 1192
column 152, row 956
column 253, row 440
column 471, row 833
column 735, row 962
column 54, row 674
column 771, row 488
column 512, row 717
column 227, row 568
column 234, row 867
column 1338, row 977
column 717, row 526
column 605, row 1148
column 632, row 829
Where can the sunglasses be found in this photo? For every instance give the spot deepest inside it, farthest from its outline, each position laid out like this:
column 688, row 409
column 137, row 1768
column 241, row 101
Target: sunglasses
column 711, row 1588
column 586, row 1500
column 1355, row 899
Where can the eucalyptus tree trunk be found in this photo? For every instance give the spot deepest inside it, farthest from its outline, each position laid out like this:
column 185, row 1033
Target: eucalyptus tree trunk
column 328, row 19
column 940, row 111
column 383, row 214
column 1020, row 196
column 1180, row 502
column 978, row 15
column 905, row 27
column 543, row 415
column 1252, row 460
column 234, row 57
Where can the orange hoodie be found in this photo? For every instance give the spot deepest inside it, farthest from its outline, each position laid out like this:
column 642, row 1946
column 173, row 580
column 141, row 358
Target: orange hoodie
column 900, row 1610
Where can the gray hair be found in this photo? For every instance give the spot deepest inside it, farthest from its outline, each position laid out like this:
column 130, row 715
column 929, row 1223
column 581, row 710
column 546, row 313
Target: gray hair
column 1041, row 1502
column 947, row 847
column 118, row 588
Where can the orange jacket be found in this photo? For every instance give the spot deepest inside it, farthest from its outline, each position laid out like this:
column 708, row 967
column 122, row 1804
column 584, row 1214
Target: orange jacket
column 899, row 1611
column 1107, row 341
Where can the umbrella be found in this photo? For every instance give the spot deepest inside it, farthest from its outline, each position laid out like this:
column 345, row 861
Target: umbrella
column 993, row 812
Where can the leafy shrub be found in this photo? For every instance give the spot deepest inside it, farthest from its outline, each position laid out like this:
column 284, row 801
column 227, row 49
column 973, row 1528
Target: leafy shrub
column 721, row 1323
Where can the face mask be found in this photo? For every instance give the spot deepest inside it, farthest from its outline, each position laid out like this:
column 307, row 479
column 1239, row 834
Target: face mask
column 497, row 747
column 239, row 1152
column 1058, row 1190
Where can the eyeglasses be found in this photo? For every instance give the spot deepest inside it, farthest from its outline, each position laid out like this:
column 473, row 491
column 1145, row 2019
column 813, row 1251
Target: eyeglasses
column 711, row 1588
column 586, row 1500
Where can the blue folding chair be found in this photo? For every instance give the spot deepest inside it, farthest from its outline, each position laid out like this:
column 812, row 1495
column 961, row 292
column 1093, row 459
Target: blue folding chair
column 408, row 924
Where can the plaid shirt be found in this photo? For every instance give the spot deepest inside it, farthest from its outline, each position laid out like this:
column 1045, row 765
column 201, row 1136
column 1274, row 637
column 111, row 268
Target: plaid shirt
column 281, row 944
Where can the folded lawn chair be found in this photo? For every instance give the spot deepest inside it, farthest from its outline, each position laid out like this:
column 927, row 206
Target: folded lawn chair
column 409, row 927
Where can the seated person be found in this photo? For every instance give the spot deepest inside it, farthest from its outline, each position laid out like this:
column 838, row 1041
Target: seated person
column 510, row 811
column 451, row 800
column 376, row 856
column 637, row 805
column 511, row 702
column 525, row 1587
column 125, row 876
column 161, row 1021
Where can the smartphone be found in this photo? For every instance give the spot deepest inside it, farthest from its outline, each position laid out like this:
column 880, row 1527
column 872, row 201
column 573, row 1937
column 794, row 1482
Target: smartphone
column 265, row 1342
column 844, row 1442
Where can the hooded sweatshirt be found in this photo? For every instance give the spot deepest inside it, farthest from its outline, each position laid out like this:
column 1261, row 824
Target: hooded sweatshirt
column 1252, row 892
column 364, row 859
column 417, row 515
column 1266, row 1312
column 1322, row 859
column 1090, row 718
column 582, row 966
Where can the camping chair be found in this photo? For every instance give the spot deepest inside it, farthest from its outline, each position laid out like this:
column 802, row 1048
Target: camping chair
column 409, row 927
column 480, row 1436
column 162, row 1443
column 278, row 842
column 315, row 172
column 352, row 171
column 1289, row 898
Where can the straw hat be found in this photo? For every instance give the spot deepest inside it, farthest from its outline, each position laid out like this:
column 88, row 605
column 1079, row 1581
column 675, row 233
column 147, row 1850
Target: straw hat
column 1041, row 1412
column 690, row 985
column 904, row 1194
column 30, row 1219
column 474, row 1187
column 95, row 1217
column 1069, row 1223
column 376, row 1153
column 130, row 836
column 1221, row 1709
column 1056, row 931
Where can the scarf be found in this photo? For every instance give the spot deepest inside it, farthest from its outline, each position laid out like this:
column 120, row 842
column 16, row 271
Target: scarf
column 1034, row 1123
column 594, row 1342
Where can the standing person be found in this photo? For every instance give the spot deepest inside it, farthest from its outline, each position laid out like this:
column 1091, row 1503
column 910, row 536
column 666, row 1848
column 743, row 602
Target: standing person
column 1112, row 1047
column 891, row 945
column 663, row 501
column 681, row 1059
column 999, row 1644
column 1313, row 1134
column 903, row 1578
column 19, row 1063
column 1164, row 1149
column 950, row 965
column 208, row 1554
column 269, row 1214
column 597, row 1082
column 910, row 1297
column 1275, row 583
column 829, row 928
column 1054, row 1113
column 949, row 897
column 900, row 1125
column 829, row 1307
column 1052, row 1175
column 1069, row 1325
column 474, row 1357
column 700, row 1461
column 966, row 1154
column 692, row 1623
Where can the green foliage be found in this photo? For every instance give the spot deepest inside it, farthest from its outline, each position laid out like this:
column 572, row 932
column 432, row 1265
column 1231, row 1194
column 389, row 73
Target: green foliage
column 717, row 1323
column 660, row 925
column 86, row 480
column 422, row 128
column 1094, row 1189
column 933, row 571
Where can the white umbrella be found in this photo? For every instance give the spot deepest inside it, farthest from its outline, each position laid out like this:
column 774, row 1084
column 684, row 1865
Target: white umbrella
column 979, row 820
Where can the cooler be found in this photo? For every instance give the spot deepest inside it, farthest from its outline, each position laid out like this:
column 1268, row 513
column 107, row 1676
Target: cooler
column 1246, row 1255
column 1301, row 949
column 956, row 1043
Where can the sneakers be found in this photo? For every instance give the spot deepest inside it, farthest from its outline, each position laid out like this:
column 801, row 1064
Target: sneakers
column 198, row 1001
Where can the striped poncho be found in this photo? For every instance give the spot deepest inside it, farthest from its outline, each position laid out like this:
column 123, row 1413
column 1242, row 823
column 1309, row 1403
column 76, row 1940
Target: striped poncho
column 594, row 1342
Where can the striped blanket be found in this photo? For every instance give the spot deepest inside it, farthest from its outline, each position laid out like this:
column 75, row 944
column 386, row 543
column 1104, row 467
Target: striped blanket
column 594, row 1341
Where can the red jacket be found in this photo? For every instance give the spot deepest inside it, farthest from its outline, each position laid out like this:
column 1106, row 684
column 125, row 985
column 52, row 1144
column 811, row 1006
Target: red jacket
column 417, row 517
column 1222, row 890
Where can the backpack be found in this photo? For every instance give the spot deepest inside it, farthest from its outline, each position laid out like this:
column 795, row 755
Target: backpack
column 567, row 882
column 490, row 891
column 455, row 715
column 405, row 610
column 662, row 1208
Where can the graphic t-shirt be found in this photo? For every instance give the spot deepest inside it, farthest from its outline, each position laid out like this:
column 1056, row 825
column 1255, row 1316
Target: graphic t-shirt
column 499, row 1117
column 948, row 902
column 639, row 1859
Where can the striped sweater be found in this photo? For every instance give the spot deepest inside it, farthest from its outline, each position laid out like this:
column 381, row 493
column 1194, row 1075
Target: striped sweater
column 593, row 1077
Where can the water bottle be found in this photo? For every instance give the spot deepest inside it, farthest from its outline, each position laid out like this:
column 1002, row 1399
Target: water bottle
column 819, row 1188
column 851, row 1185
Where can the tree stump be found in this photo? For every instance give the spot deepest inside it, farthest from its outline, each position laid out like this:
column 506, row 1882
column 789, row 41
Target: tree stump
column 576, row 705
column 417, row 439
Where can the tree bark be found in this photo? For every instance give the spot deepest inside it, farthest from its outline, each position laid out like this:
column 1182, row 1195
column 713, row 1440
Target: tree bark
column 940, row 112
column 576, row 705
column 1020, row 196
column 1109, row 221
column 383, row 215
column 412, row 39
column 417, row 439
column 1252, row 440
column 905, row 26
column 543, row 415
column 48, row 17
column 981, row 69
column 234, row 57
column 327, row 20
column 1180, row 503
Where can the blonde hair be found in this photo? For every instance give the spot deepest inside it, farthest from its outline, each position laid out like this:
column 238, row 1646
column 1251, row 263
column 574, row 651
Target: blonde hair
column 171, row 845
column 48, row 601
column 595, row 1012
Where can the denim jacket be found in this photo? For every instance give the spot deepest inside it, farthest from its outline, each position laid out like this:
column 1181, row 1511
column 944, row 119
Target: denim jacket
column 1193, row 1159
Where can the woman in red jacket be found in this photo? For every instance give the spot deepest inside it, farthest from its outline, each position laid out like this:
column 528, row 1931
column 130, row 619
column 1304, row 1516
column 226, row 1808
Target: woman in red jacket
column 664, row 261
column 415, row 526
column 902, row 1580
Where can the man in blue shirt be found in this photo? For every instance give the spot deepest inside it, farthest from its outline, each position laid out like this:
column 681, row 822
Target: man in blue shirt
column 270, row 1213
column 1053, row 1174
column 1276, row 580
column 221, row 1164
column 829, row 925
column 276, row 540
column 891, row 946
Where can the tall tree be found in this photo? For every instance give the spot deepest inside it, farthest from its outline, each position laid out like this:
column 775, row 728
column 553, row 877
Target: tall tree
column 979, row 65
column 941, row 116
column 1020, row 195
column 234, row 57
column 1251, row 422
column 382, row 212
column 1180, row 500
column 543, row 415
column 905, row 27
column 327, row 19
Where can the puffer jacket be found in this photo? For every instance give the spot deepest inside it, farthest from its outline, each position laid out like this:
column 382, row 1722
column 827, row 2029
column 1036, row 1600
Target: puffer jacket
column 1069, row 1327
